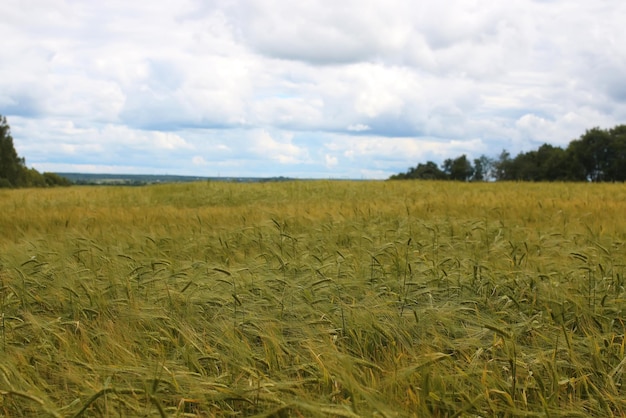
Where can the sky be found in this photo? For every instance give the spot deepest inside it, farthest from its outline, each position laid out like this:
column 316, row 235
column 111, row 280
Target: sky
column 309, row 88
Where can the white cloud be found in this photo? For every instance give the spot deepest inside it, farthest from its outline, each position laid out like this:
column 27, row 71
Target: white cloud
column 331, row 161
column 380, row 90
column 281, row 149
column 319, row 32
column 359, row 127
column 392, row 151
column 265, row 86
column 169, row 141
column 199, row 160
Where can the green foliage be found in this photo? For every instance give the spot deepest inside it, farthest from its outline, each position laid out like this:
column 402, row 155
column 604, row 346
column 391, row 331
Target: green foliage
column 13, row 170
column 428, row 171
column 600, row 155
column 460, row 168
column 483, row 168
column 548, row 163
column 597, row 156
column 502, row 165
column 52, row 179
column 5, row 183
column 11, row 166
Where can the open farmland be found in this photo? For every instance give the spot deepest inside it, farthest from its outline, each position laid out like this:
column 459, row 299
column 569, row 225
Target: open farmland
column 313, row 299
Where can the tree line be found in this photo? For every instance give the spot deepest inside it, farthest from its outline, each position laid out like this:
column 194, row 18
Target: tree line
column 597, row 156
column 13, row 170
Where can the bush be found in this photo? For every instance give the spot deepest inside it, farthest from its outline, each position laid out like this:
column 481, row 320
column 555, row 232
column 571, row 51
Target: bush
column 53, row 179
column 5, row 184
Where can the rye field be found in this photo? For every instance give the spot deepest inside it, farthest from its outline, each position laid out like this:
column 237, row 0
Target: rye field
column 314, row 299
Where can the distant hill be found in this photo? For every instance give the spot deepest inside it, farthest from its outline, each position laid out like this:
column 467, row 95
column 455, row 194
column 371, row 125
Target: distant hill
column 143, row 179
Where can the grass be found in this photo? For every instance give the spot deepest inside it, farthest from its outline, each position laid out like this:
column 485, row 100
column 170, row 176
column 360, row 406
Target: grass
column 313, row 299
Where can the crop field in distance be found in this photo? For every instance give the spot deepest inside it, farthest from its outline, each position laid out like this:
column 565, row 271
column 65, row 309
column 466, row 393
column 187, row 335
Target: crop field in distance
column 313, row 299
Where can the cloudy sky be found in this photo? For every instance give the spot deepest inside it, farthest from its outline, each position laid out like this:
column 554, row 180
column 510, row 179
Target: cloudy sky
column 307, row 88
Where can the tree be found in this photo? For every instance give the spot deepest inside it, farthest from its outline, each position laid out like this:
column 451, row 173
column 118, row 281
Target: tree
column 535, row 165
column 592, row 151
column 502, row 166
column 458, row 169
column 483, row 169
column 600, row 155
column 551, row 164
column 428, row 171
column 11, row 165
column 616, row 167
column 53, row 179
column 13, row 170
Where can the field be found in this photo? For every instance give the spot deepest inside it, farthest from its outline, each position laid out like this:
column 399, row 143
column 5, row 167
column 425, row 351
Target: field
column 313, row 299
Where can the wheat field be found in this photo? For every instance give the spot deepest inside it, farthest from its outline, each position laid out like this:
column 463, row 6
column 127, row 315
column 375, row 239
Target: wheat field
column 313, row 299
